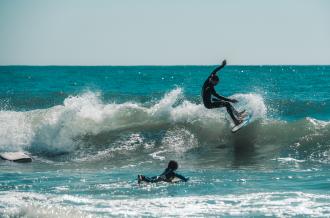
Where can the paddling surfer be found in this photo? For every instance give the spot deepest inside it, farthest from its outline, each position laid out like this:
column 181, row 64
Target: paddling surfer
column 167, row 176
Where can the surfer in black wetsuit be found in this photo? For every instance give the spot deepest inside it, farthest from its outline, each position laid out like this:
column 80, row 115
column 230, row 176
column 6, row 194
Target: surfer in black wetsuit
column 167, row 176
column 208, row 92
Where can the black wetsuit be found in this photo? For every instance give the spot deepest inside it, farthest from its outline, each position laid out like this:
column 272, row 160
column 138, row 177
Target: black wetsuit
column 208, row 91
column 167, row 176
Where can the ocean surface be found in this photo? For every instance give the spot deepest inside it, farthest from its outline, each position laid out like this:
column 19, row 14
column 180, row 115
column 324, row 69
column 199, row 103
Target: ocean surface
column 92, row 130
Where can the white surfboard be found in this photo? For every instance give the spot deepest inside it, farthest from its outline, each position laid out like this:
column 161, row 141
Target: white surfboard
column 16, row 156
column 174, row 180
column 245, row 122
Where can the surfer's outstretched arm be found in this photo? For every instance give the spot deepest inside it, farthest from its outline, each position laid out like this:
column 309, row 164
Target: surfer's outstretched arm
column 181, row 177
column 214, row 72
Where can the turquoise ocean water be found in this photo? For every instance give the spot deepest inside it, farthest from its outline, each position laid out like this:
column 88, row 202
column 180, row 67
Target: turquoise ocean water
column 91, row 130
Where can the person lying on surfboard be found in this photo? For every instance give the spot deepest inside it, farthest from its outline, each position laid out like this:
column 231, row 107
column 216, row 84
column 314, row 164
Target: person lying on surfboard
column 169, row 175
column 219, row 101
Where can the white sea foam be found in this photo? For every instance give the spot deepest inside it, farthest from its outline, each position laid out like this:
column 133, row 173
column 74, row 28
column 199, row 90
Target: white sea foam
column 252, row 103
column 281, row 204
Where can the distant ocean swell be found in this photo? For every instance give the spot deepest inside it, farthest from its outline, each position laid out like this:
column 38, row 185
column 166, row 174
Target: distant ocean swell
column 86, row 124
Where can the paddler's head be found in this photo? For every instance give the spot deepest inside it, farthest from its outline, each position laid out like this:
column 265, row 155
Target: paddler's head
column 172, row 165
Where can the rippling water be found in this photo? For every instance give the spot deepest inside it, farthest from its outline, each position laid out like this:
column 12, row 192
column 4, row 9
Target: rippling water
column 91, row 130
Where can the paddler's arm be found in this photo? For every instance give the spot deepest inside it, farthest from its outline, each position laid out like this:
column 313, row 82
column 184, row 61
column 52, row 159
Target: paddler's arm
column 182, row 177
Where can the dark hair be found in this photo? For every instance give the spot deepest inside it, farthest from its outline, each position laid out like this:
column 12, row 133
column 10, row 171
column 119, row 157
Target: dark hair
column 172, row 165
column 214, row 78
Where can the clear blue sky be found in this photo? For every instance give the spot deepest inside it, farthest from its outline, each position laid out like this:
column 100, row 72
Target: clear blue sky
column 168, row 32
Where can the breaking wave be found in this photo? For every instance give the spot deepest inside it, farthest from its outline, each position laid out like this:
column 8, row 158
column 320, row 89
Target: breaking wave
column 90, row 128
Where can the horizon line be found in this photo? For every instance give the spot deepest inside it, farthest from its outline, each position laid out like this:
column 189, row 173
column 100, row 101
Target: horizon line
column 166, row 65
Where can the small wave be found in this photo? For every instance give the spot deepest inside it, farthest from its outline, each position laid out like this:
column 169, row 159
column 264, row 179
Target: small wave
column 293, row 108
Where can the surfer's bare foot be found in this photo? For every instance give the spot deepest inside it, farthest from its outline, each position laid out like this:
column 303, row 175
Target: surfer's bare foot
column 241, row 113
column 239, row 121
column 242, row 117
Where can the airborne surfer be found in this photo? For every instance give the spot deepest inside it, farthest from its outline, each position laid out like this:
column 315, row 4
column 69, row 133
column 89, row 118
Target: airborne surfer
column 219, row 101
